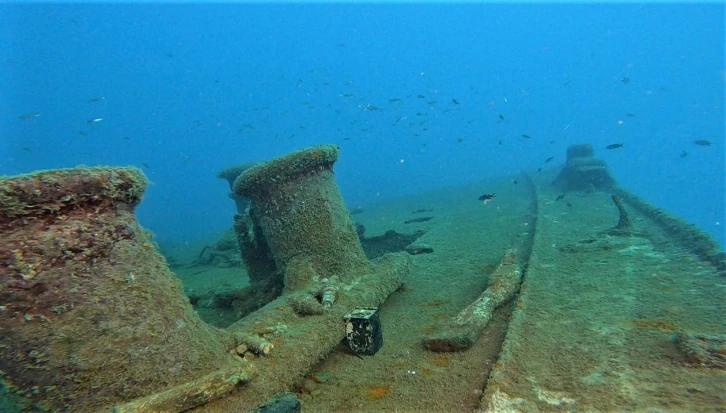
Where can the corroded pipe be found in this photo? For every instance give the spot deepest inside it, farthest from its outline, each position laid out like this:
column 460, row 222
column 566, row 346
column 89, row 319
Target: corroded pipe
column 461, row 332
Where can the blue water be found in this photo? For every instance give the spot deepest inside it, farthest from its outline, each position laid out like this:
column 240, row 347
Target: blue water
column 186, row 90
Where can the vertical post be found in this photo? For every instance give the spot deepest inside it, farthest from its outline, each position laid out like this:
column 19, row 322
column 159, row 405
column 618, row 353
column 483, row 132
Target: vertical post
column 300, row 210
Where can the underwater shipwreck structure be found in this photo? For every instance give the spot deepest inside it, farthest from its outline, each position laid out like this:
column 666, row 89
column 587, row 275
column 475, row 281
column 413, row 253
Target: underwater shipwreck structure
column 600, row 303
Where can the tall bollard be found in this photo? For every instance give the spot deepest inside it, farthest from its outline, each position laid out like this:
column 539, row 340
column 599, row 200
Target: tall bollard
column 90, row 314
column 299, row 208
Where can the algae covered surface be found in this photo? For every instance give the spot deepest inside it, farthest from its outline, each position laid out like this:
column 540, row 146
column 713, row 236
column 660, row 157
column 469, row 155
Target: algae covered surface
column 594, row 327
column 90, row 313
column 604, row 320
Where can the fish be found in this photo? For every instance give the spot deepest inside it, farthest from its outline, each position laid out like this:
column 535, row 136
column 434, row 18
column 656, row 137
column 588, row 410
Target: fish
column 615, row 146
column 94, row 120
column 393, row 100
column 569, row 205
column 398, row 119
column 347, row 95
column 25, row 116
column 702, row 142
column 630, row 115
column 625, row 80
column 515, row 182
column 548, row 160
column 82, row 133
column 455, row 102
column 460, row 140
column 145, row 165
column 501, row 117
column 526, row 136
column 421, row 97
column 96, row 99
column 486, row 198
column 422, row 219
column 499, row 142
column 684, row 154
column 371, row 107
column 431, row 102
column 561, row 197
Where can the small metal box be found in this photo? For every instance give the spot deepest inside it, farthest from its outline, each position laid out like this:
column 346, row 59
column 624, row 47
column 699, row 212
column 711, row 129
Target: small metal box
column 363, row 331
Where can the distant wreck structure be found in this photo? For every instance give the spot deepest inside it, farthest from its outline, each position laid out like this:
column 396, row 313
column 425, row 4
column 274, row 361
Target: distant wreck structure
column 230, row 174
column 584, row 172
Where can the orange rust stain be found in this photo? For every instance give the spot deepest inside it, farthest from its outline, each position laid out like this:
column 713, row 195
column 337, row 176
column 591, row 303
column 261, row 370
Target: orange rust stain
column 440, row 359
column 378, row 392
column 429, row 329
column 656, row 324
column 427, row 372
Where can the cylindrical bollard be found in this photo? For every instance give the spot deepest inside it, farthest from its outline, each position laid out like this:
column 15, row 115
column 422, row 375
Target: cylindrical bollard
column 90, row 314
column 296, row 202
